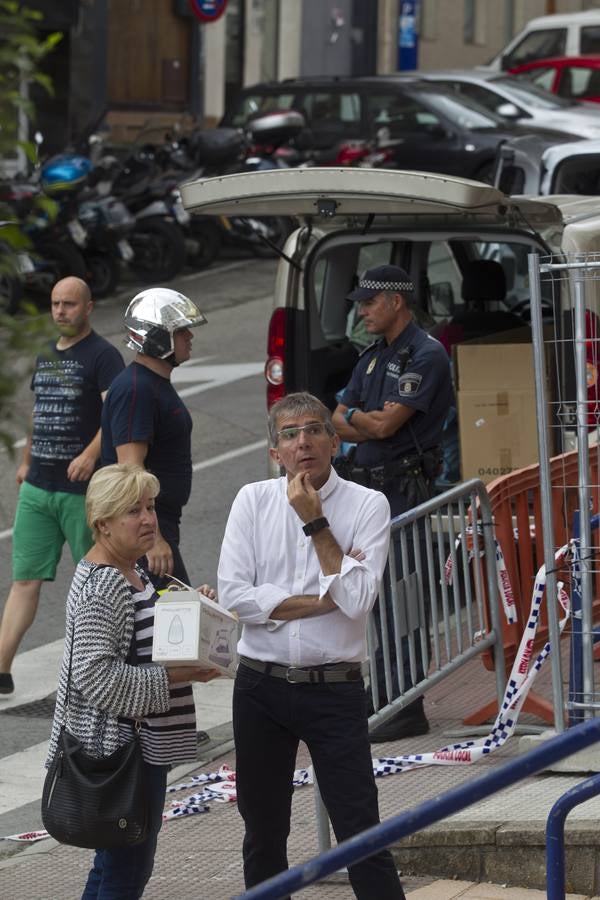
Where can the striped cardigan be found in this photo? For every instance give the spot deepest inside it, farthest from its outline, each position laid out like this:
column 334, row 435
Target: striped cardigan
column 103, row 686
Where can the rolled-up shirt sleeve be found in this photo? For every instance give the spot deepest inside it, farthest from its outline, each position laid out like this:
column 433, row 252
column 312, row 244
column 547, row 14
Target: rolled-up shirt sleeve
column 354, row 588
column 237, row 589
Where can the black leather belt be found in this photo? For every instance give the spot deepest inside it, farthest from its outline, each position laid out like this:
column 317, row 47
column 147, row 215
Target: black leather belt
column 306, row 674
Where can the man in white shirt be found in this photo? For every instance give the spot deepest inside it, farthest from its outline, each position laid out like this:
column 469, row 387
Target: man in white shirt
column 300, row 564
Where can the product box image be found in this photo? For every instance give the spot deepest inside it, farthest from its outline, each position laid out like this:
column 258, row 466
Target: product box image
column 190, row 629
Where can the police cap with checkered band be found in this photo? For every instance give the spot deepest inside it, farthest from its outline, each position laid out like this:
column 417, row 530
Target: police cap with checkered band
column 382, row 278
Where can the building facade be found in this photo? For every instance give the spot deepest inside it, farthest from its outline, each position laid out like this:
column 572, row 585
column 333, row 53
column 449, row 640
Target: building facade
column 149, row 65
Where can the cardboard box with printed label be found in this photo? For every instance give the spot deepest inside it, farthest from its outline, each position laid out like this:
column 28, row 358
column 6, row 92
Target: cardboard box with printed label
column 496, row 405
column 190, row 629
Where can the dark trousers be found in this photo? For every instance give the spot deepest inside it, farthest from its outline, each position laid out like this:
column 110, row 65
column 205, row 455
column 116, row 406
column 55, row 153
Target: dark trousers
column 168, row 523
column 270, row 717
column 401, row 501
column 123, row 874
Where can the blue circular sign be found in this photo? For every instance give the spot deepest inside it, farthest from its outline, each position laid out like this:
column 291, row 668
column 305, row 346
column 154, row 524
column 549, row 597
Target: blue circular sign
column 208, row 10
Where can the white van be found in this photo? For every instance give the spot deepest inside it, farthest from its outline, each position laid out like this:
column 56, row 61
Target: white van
column 436, row 227
column 562, row 34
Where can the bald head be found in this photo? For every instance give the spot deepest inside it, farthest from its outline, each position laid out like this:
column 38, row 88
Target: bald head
column 71, row 303
column 73, row 286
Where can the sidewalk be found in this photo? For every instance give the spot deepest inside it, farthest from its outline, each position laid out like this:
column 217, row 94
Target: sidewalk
column 200, row 856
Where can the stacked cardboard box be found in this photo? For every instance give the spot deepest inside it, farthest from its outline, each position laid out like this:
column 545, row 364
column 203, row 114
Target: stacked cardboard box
column 496, row 404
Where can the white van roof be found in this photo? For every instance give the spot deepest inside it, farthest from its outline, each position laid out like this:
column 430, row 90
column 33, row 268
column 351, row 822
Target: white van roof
column 573, row 18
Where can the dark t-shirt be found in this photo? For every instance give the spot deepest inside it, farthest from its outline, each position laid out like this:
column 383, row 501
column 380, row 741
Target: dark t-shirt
column 68, row 387
column 143, row 406
column 425, row 384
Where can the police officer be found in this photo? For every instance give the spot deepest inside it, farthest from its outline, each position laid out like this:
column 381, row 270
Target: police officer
column 394, row 409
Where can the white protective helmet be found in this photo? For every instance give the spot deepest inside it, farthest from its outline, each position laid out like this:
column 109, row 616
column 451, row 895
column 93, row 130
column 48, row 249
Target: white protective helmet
column 154, row 315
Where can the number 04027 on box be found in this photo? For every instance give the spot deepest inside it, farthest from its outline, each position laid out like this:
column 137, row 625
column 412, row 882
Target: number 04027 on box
column 190, row 629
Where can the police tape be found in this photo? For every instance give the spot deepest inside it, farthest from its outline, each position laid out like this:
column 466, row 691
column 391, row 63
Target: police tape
column 220, row 786
column 27, row 837
column 507, row 595
column 518, row 686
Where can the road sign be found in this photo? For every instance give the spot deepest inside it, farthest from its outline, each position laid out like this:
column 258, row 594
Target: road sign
column 208, row 10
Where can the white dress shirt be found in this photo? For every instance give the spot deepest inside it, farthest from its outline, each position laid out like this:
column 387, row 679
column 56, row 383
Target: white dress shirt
column 266, row 557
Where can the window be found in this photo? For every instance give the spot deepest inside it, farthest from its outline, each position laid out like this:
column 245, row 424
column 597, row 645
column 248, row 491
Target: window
column 590, row 40
column 489, row 99
column 332, row 109
column 259, row 103
column 398, row 114
column 512, row 180
column 372, row 255
column 579, row 82
column 475, row 22
column 444, row 280
column 579, row 175
column 543, row 77
column 537, row 45
column 529, row 94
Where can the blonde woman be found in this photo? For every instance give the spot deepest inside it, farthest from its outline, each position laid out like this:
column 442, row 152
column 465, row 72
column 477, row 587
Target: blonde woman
column 110, row 615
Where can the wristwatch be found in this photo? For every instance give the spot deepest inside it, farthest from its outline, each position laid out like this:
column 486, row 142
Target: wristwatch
column 316, row 525
column 349, row 413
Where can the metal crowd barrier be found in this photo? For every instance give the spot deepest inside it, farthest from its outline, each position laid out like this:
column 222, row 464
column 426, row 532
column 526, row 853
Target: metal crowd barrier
column 434, row 605
column 437, row 599
column 428, row 813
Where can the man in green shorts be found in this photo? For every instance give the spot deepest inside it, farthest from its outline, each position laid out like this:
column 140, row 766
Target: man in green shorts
column 60, row 456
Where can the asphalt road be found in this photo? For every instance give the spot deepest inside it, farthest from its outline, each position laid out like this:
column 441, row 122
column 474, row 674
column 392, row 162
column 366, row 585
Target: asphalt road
column 223, row 387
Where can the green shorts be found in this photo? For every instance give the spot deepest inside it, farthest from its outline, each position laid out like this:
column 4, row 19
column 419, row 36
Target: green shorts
column 43, row 522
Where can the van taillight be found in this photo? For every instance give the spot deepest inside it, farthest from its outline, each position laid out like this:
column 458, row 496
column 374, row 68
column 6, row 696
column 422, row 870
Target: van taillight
column 274, row 366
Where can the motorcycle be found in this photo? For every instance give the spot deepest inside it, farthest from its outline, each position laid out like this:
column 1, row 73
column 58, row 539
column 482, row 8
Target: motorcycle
column 264, row 146
column 52, row 235
column 157, row 241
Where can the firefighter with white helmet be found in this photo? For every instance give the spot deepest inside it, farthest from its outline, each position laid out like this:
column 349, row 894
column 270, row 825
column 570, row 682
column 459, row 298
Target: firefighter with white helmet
column 144, row 420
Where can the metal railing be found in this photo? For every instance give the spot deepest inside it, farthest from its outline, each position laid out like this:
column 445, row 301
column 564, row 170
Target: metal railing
column 555, row 833
column 434, row 606
column 428, row 813
column 431, row 609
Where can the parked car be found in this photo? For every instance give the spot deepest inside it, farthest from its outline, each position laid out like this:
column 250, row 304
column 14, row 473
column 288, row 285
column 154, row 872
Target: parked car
column 521, row 102
column 438, row 228
column 572, row 77
column 426, row 126
column 566, row 34
column 534, row 165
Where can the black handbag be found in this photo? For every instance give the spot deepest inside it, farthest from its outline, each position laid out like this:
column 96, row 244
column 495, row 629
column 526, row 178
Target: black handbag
column 98, row 803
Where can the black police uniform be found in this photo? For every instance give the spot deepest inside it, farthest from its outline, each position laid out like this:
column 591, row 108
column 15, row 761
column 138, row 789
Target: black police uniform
column 413, row 370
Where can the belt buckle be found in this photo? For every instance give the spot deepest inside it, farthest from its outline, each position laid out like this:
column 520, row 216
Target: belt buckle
column 289, row 676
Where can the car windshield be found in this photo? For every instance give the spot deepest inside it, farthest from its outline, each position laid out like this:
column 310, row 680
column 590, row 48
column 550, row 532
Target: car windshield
column 532, row 95
column 460, row 111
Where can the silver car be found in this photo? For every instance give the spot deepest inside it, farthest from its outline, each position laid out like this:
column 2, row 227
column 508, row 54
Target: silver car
column 525, row 103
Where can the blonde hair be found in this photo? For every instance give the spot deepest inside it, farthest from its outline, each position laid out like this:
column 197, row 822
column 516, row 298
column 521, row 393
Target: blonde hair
column 115, row 489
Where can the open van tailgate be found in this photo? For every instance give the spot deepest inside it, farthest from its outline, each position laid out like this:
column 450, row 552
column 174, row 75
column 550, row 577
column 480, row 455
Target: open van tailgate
column 339, row 191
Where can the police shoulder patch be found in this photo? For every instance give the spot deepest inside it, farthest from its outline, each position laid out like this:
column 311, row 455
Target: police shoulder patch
column 409, row 383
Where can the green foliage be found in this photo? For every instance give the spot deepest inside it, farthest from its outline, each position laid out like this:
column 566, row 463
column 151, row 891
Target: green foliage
column 21, row 50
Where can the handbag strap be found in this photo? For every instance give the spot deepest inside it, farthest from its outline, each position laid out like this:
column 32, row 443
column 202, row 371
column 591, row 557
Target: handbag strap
column 131, row 655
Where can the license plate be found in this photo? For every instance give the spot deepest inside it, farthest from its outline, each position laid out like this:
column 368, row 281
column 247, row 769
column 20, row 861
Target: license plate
column 77, row 232
column 125, row 249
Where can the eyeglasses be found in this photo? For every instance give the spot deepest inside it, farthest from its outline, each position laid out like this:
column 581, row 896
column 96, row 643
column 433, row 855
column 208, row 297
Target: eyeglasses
column 289, row 435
